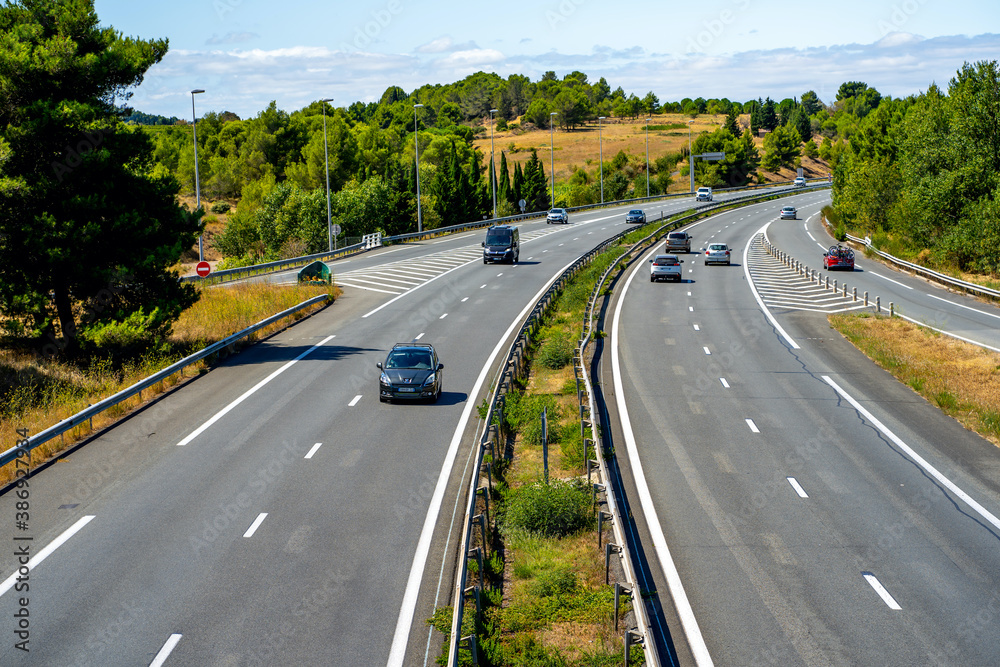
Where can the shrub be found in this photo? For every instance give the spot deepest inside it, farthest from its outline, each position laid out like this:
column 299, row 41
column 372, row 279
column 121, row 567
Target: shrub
column 220, row 207
column 553, row 510
column 556, row 582
column 556, row 352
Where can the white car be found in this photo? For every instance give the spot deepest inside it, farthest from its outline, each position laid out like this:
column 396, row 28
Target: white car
column 703, row 194
column 665, row 267
column 557, row 215
column 717, row 253
column 799, row 182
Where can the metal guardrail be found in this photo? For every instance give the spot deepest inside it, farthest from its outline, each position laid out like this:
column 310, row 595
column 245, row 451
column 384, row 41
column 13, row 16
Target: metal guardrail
column 99, row 407
column 242, row 272
column 512, row 369
column 930, row 273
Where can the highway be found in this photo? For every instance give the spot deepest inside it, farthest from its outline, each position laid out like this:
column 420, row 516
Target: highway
column 272, row 510
column 798, row 504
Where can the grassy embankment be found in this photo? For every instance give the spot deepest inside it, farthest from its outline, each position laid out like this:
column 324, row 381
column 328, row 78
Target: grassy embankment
column 960, row 378
column 547, row 603
column 36, row 393
column 581, row 148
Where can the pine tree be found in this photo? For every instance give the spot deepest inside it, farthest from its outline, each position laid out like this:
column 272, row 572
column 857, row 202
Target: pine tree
column 517, row 189
column 87, row 233
column 503, row 183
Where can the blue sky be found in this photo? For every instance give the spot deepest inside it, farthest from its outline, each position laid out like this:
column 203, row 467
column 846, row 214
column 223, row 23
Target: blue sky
column 245, row 53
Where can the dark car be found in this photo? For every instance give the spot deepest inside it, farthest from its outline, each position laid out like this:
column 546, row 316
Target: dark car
column 502, row 244
column 636, row 215
column 412, row 371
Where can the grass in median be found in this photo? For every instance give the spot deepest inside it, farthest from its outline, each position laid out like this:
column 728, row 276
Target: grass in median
column 36, row 393
column 960, row 378
column 547, row 603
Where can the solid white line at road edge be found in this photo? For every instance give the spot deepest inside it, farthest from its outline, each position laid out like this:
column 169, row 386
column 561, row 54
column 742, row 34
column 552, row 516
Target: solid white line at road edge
column 47, row 551
column 222, row 413
column 919, row 460
column 168, row 647
column 756, row 295
column 684, row 611
column 409, row 605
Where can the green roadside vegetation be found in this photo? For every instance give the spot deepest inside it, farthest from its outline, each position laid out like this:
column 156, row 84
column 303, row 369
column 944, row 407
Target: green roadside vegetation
column 37, row 392
column 960, row 378
column 922, row 176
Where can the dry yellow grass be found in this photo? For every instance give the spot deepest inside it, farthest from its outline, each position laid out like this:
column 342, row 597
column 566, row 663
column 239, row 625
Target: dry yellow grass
column 961, row 378
column 40, row 393
column 581, row 147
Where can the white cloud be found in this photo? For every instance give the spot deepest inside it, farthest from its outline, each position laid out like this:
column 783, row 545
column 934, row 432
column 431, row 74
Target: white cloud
column 245, row 80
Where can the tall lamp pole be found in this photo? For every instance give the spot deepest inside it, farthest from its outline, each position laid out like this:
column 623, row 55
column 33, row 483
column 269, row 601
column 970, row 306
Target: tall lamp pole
column 690, row 156
column 416, row 152
column 493, row 169
column 600, row 140
column 326, row 156
column 647, row 157
column 197, row 185
column 552, row 158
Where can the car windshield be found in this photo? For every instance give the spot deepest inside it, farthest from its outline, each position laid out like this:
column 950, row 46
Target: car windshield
column 635, row 212
column 556, row 211
column 409, row 359
column 677, row 235
column 498, row 238
column 717, row 246
column 665, row 261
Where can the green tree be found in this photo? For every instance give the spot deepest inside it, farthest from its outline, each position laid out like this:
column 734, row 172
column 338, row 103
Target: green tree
column 781, row 147
column 87, row 233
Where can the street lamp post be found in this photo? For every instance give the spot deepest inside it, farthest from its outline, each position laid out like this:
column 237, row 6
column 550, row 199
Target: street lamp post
column 647, row 157
column 197, row 185
column 326, row 156
column 552, row 158
column 493, row 169
column 600, row 141
column 416, row 152
column 690, row 156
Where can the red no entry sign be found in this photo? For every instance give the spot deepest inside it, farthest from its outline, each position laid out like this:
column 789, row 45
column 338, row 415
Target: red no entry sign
column 203, row 269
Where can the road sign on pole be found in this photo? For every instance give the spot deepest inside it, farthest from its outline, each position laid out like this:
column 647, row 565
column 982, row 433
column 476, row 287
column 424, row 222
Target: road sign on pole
column 711, row 157
column 203, row 269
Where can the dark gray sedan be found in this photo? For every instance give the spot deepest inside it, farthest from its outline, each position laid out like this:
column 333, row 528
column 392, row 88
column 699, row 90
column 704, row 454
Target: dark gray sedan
column 411, row 371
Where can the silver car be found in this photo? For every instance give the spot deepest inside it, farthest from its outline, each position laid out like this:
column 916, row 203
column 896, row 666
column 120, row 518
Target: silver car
column 717, row 253
column 665, row 267
column 788, row 213
column 557, row 215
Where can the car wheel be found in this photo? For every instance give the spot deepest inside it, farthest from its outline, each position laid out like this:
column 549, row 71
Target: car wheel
column 383, row 399
column 485, row 262
column 728, row 263
column 652, row 279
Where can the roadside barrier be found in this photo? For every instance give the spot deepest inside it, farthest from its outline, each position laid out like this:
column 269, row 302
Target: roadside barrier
column 927, row 273
column 240, row 273
column 474, row 543
column 136, row 389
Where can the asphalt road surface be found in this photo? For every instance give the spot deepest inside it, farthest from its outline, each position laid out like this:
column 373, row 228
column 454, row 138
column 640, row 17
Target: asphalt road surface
column 272, row 511
column 802, row 507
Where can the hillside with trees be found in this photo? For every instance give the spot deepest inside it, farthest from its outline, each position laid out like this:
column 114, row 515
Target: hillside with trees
column 922, row 175
column 271, row 167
